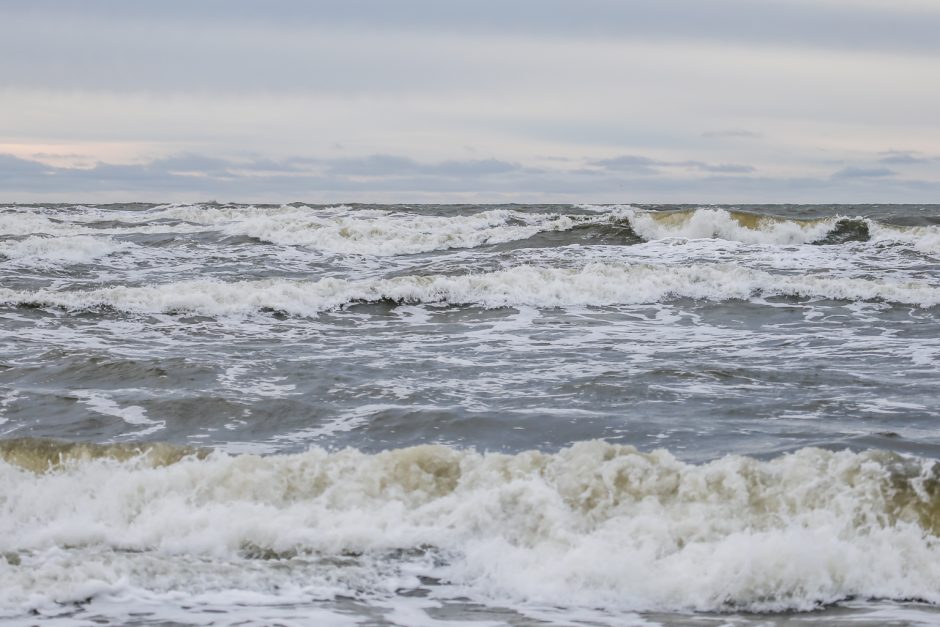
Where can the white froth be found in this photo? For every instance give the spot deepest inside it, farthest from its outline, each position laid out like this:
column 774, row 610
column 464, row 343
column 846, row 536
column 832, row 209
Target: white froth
column 395, row 234
column 222, row 215
column 597, row 284
column 30, row 222
column 922, row 238
column 612, row 209
column 705, row 223
column 7, row 399
column 346, row 230
column 595, row 525
column 722, row 224
column 131, row 414
column 71, row 250
column 239, row 378
column 342, row 229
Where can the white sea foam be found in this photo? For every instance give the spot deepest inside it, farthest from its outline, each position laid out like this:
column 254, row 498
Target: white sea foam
column 227, row 214
column 611, row 209
column 342, row 229
column 598, row 284
column 750, row 228
column 69, row 250
column 34, row 222
column 389, row 233
column 131, row 414
column 595, row 525
column 239, row 378
column 724, row 224
column 44, row 222
column 380, row 232
column 922, row 238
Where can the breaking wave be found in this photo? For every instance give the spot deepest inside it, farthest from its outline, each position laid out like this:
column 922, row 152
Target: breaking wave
column 398, row 235
column 731, row 225
column 593, row 525
column 751, row 228
column 70, row 250
column 29, row 223
column 922, row 238
column 382, row 232
column 597, row 284
column 342, row 229
column 40, row 456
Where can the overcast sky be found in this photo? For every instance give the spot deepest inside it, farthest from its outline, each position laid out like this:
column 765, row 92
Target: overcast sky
column 485, row 100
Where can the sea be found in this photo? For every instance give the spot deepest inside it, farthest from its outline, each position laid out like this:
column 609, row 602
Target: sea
column 469, row 415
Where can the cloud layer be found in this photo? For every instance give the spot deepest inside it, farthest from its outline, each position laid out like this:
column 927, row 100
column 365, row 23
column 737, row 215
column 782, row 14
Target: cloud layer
column 391, row 178
column 621, row 100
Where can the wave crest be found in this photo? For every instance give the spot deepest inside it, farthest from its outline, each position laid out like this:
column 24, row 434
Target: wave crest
column 38, row 455
column 71, row 250
column 594, row 525
column 596, row 284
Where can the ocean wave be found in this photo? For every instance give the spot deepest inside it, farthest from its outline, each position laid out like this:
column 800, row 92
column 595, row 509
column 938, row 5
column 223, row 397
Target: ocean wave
column 731, row 225
column 343, row 229
column 35, row 222
column 388, row 233
column 380, row 232
column 596, row 284
column 922, row 238
column 753, row 228
column 38, row 455
column 593, row 525
column 69, row 250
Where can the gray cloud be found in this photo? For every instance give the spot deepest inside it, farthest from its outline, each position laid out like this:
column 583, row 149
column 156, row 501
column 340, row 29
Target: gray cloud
column 731, row 134
column 200, row 174
column 725, row 168
column 787, row 22
column 56, row 155
column 853, row 172
column 13, row 169
column 235, row 79
column 391, row 165
column 634, row 164
column 297, row 45
column 643, row 165
column 392, row 178
column 903, row 157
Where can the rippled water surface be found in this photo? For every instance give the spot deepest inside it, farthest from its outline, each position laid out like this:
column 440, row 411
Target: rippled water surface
column 235, row 414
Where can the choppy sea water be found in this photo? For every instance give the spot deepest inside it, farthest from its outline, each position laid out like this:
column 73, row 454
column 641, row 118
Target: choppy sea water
column 472, row 415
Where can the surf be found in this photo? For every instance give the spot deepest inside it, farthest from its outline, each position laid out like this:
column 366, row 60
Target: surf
column 591, row 525
column 595, row 284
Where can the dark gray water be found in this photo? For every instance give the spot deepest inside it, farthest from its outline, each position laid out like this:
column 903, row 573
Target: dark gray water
column 534, row 346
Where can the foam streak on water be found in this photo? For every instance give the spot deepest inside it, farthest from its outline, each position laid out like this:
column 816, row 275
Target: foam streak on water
column 237, row 414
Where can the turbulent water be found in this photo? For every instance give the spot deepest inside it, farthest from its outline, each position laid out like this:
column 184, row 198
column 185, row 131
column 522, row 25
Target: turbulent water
column 471, row 415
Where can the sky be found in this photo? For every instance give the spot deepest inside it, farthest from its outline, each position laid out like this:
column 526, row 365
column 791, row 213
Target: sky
column 642, row 101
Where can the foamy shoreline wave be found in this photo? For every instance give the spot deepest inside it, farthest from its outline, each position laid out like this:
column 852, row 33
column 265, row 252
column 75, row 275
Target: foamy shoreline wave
column 596, row 284
column 346, row 230
column 68, row 250
column 593, row 525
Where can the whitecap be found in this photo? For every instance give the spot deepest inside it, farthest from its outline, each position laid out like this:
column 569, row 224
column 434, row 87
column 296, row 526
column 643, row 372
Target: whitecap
column 595, row 284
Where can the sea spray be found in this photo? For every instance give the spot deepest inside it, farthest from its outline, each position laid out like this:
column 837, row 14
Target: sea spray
column 593, row 525
column 596, row 284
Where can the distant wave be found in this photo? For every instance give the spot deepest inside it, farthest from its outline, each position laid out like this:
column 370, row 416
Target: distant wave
column 730, row 225
column 594, row 525
column 68, row 250
column 751, row 228
column 599, row 284
column 34, row 222
column 386, row 232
